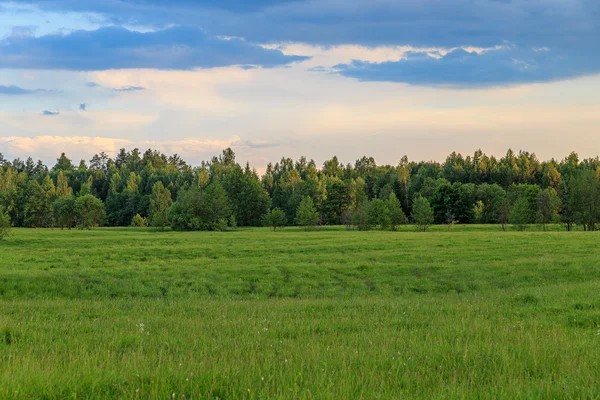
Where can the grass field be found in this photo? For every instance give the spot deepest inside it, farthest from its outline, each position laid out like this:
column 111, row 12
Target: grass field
column 472, row 313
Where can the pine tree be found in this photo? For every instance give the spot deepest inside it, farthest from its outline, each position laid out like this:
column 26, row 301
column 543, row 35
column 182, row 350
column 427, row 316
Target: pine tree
column 275, row 218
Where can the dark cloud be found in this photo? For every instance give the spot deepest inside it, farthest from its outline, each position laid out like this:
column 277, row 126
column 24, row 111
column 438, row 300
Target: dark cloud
column 570, row 29
column 50, row 113
column 460, row 68
column 92, row 84
column 82, row 107
column 178, row 48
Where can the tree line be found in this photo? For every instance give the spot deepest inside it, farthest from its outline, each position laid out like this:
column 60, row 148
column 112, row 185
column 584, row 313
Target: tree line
column 153, row 189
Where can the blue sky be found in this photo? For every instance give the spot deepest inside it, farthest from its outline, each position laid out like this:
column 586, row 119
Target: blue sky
column 296, row 77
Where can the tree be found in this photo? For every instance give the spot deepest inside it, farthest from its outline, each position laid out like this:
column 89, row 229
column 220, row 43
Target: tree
column 504, row 213
column 62, row 186
column 275, row 218
column 585, row 198
column 548, row 204
column 64, row 212
column 4, row 223
column 397, row 216
column 39, row 212
column 198, row 209
column 139, row 222
column 360, row 216
column 160, row 202
column 306, row 213
column 89, row 212
column 63, row 163
column 422, row 213
column 520, row 214
column 378, row 214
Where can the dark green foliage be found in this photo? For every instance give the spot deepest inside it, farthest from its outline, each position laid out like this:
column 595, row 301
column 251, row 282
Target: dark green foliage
column 306, row 213
column 39, row 212
column 584, row 198
column 64, row 212
column 201, row 209
column 548, row 204
column 89, row 212
column 275, row 218
column 463, row 189
column 422, row 213
column 360, row 216
column 122, row 207
column 4, row 223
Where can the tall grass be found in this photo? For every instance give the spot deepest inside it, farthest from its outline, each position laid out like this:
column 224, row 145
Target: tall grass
column 125, row 313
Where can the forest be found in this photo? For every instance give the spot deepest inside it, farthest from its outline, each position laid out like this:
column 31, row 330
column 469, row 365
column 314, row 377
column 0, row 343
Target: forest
column 153, row 189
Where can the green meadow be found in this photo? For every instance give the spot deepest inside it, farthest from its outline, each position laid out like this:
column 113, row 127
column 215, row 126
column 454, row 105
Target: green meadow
column 255, row 314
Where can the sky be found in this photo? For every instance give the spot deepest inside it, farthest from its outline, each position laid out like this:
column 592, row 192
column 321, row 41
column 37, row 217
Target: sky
column 274, row 78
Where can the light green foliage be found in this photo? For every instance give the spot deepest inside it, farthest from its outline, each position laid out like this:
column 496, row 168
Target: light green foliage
column 160, row 202
column 62, row 186
column 127, row 313
column 89, row 212
column 139, row 222
column 275, row 218
column 306, row 213
column 422, row 213
column 520, row 213
column 397, row 216
column 4, row 224
column 378, row 214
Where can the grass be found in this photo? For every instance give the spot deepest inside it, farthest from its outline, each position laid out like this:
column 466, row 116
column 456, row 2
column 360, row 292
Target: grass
column 130, row 313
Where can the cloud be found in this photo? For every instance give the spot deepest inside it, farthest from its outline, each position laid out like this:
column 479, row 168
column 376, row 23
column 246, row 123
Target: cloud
column 129, row 89
column 176, row 48
column 49, row 147
column 15, row 90
column 567, row 30
column 82, row 107
column 50, row 113
column 92, row 84
column 461, row 68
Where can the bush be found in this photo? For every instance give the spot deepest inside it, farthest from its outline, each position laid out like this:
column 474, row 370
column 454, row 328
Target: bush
column 139, row 222
column 275, row 218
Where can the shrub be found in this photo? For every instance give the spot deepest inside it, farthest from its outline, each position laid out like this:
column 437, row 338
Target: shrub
column 139, row 222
